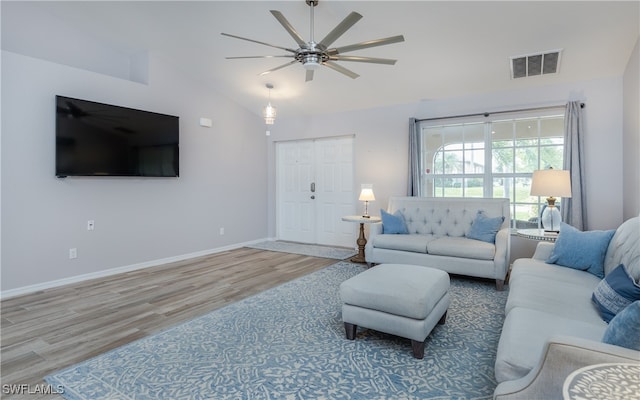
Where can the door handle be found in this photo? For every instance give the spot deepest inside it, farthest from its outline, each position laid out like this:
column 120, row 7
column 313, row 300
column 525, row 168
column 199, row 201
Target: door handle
column 313, row 187
column 313, row 197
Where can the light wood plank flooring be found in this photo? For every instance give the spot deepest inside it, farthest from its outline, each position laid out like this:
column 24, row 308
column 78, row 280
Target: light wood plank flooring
column 49, row 330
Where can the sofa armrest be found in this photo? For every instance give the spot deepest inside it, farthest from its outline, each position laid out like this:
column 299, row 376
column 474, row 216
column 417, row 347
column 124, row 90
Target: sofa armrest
column 561, row 356
column 503, row 250
column 543, row 251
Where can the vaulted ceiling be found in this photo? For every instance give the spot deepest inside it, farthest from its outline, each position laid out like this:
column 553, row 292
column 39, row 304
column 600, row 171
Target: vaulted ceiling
column 451, row 48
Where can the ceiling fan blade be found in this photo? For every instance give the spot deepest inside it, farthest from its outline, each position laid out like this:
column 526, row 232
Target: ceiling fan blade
column 259, row 42
column 342, row 27
column 309, row 75
column 368, row 43
column 341, row 69
column 374, row 60
column 279, row 67
column 292, row 31
column 235, row 58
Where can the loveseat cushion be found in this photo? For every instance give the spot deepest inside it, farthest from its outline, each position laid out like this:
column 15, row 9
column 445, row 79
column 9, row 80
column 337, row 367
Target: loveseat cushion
column 524, row 335
column 461, row 247
column 413, row 243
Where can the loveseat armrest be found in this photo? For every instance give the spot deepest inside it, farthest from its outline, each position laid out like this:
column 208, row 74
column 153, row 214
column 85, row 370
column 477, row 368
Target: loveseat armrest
column 502, row 255
column 561, row 356
column 543, row 251
column 374, row 230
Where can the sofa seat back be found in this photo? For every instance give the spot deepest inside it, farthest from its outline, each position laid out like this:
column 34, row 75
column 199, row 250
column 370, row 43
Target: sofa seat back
column 624, row 248
column 448, row 216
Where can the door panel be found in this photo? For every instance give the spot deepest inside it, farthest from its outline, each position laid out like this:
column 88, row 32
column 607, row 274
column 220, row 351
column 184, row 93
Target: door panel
column 315, row 217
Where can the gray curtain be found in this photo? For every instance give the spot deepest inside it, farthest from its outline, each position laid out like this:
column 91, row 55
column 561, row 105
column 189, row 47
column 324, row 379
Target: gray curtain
column 413, row 181
column 574, row 208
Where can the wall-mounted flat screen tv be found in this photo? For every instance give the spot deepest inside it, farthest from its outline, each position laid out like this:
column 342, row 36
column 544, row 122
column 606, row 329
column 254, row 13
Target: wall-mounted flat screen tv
column 95, row 139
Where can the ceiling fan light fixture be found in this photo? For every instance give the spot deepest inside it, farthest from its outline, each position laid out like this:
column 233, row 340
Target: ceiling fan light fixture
column 311, row 62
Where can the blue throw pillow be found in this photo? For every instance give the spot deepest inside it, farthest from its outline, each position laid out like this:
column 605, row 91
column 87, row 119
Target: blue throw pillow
column 624, row 327
column 615, row 292
column 485, row 228
column 581, row 250
column 393, row 223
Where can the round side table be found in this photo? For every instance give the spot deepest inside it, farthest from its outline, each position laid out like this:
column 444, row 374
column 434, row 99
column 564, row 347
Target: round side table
column 611, row 381
column 362, row 241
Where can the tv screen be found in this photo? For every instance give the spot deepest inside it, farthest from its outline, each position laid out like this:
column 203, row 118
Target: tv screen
column 95, row 139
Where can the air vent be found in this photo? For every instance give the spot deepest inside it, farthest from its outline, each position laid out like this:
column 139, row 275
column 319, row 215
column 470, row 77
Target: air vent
column 535, row 64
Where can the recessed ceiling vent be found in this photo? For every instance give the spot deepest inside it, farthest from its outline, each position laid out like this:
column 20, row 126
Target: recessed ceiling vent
column 547, row 62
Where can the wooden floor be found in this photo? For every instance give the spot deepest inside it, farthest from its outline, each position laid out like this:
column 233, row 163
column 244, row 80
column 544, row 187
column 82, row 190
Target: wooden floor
column 53, row 329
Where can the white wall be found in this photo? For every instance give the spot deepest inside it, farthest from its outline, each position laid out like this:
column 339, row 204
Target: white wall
column 631, row 135
column 381, row 140
column 222, row 177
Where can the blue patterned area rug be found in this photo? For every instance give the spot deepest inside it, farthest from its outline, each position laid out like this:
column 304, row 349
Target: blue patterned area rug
column 337, row 253
column 289, row 343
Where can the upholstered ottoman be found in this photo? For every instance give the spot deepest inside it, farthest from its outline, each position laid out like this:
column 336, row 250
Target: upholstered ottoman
column 402, row 300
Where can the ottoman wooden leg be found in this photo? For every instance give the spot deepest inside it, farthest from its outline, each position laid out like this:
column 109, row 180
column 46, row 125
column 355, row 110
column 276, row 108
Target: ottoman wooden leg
column 418, row 349
column 350, row 329
column 443, row 318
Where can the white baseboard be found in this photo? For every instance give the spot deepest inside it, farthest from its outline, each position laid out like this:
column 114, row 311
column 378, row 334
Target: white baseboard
column 113, row 271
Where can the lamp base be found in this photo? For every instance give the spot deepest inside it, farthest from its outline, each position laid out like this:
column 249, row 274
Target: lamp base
column 551, row 219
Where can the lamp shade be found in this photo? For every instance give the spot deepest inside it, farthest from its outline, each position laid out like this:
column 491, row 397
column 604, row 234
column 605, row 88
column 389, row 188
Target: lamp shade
column 551, row 183
column 367, row 194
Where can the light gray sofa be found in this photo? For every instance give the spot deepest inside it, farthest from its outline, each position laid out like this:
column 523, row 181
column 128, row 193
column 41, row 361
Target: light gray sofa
column 551, row 326
column 437, row 237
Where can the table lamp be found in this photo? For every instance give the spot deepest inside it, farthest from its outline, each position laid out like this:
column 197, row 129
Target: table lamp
column 551, row 182
column 366, row 195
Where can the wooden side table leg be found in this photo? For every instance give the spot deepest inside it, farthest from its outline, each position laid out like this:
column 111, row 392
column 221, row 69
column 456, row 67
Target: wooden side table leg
column 361, row 242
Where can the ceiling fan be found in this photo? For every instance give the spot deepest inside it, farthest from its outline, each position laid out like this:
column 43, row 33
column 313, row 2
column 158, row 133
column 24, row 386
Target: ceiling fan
column 312, row 55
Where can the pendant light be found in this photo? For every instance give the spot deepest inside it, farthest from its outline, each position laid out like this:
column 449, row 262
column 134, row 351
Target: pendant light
column 269, row 112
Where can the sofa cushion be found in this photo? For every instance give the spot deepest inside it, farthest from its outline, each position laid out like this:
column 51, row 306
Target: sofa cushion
column 554, row 297
column 525, row 333
column 461, row 247
column 485, row 228
column 615, row 292
column 523, row 268
column 393, row 223
column 413, row 243
column 624, row 327
column 581, row 250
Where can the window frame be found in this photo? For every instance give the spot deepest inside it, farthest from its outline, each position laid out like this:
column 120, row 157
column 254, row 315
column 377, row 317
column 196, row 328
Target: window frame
column 537, row 144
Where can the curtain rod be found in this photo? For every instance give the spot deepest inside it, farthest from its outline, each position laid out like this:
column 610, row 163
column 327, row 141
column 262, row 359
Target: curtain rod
column 486, row 114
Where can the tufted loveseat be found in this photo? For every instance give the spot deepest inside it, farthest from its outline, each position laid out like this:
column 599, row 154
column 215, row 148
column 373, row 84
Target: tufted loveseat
column 437, row 237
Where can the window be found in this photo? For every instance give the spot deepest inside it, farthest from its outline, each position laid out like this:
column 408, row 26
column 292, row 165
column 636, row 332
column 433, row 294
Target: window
column 492, row 156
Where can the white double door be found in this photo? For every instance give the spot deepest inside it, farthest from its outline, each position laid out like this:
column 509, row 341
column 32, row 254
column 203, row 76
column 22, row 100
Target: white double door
column 314, row 180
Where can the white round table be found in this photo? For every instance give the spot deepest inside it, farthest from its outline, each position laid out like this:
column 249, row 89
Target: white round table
column 362, row 241
column 611, row 381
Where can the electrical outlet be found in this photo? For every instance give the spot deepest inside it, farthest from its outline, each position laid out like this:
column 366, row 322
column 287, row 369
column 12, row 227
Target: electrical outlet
column 73, row 253
column 91, row 225
column 221, row 231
